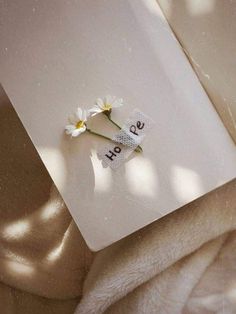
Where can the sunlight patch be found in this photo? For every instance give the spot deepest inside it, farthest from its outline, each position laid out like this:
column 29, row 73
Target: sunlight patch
column 17, row 229
column 186, row 183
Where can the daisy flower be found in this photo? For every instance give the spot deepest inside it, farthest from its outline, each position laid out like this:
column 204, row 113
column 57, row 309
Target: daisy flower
column 106, row 105
column 77, row 122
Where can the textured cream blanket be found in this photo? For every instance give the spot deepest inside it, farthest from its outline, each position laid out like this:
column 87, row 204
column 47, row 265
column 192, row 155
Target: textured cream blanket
column 184, row 262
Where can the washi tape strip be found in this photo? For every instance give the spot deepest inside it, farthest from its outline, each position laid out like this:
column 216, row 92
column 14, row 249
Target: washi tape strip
column 126, row 140
column 114, row 154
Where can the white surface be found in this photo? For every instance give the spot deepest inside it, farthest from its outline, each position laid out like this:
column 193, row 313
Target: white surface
column 57, row 55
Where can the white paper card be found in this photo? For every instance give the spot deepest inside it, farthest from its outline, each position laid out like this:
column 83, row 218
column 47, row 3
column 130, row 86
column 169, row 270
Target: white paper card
column 56, row 55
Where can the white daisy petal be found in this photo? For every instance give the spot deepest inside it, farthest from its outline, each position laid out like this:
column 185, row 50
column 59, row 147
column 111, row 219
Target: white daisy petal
column 117, row 103
column 95, row 110
column 99, row 102
column 68, row 132
column 109, row 99
column 83, row 129
column 69, row 128
column 94, row 114
column 79, row 113
column 75, row 133
column 79, row 131
column 84, row 115
column 98, row 108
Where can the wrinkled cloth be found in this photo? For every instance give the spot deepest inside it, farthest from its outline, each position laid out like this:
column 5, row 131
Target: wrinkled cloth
column 184, row 262
column 41, row 249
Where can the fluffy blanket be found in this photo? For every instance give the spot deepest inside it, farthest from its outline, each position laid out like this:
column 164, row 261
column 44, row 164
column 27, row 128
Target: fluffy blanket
column 184, row 263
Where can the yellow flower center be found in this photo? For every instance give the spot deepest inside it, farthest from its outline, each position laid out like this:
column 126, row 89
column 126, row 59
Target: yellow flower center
column 107, row 107
column 79, row 124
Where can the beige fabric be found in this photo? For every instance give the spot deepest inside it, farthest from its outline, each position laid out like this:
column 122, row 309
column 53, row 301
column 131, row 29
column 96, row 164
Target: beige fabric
column 41, row 249
column 157, row 269
column 13, row 301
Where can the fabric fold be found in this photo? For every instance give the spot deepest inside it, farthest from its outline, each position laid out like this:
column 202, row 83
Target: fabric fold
column 121, row 268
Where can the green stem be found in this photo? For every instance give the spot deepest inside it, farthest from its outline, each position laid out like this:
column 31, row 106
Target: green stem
column 139, row 148
column 108, row 138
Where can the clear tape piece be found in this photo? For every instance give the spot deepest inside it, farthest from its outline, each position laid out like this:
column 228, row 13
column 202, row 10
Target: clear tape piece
column 126, row 140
